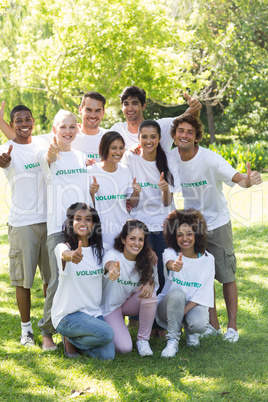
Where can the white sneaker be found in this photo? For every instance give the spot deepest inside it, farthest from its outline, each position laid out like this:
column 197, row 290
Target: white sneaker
column 230, row 335
column 27, row 339
column 144, row 348
column 171, row 349
column 192, row 339
column 211, row 331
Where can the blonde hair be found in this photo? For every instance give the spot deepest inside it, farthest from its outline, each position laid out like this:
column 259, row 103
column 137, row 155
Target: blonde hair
column 60, row 115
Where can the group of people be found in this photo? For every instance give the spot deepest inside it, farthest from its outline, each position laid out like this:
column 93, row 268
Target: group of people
column 94, row 209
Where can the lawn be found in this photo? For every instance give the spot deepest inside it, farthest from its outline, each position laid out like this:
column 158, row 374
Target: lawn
column 214, row 371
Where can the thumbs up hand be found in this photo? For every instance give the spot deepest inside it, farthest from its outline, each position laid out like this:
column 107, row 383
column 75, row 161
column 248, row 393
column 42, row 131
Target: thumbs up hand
column 114, row 270
column 253, row 177
column 94, row 186
column 162, row 184
column 5, row 158
column 136, row 187
column 53, row 151
column 178, row 264
column 193, row 103
column 76, row 255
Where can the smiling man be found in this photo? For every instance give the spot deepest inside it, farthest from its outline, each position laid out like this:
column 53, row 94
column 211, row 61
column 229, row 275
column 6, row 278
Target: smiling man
column 202, row 173
column 27, row 216
column 133, row 104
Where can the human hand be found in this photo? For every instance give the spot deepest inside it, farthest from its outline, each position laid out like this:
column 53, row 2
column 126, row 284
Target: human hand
column 53, row 151
column 76, row 255
column 253, row 177
column 90, row 162
column 136, row 149
column 178, row 264
column 136, row 187
column 114, row 270
column 193, row 103
column 146, row 290
column 5, row 158
column 162, row 184
column 94, row 188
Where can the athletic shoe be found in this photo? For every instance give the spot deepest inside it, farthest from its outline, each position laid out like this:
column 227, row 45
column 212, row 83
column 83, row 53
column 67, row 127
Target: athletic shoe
column 27, row 339
column 231, row 335
column 211, row 331
column 192, row 339
column 144, row 348
column 171, row 349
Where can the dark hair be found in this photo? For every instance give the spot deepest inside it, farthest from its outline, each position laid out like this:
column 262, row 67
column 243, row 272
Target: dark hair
column 191, row 217
column 19, row 108
column 93, row 95
column 196, row 123
column 95, row 237
column 133, row 91
column 106, row 141
column 161, row 159
column 144, row 260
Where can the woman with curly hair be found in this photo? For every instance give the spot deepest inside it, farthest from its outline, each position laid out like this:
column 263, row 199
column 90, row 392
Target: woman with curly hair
column 190, row 271
column 76, row 312
column 129, row 286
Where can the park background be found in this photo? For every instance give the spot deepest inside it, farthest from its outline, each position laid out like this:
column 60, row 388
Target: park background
column 54, row 51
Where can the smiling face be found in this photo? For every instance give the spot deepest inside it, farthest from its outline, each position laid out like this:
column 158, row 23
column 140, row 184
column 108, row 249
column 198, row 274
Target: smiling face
column 132, row 109
column 186, row 239
column 65, row 131
column 185, row 137
column 23, row 124
column 83, row 225
column 149, row 140
column 116, row 152
column 92, row 113
column 133, row 244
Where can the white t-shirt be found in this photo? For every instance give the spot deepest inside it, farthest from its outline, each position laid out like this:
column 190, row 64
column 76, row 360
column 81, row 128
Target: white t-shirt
column 67, row 182
column 80, row 286
column 196, row 278
column 89, row 144
column 166, row 140
column 201, row 182
column 150, row 209
column 110, row 200
column 28, row 202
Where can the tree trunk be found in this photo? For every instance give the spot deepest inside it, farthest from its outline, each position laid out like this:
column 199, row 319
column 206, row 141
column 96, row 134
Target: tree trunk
column 211, row 126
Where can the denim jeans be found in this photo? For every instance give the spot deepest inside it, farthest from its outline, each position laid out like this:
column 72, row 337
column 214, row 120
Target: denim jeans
column 93, row 336
column 156, row 240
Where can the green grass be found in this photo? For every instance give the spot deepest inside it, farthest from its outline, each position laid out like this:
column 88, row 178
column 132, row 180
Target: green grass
column 215, row 371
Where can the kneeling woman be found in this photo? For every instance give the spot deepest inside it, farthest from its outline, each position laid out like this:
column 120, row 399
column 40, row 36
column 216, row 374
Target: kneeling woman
column 76, row 312
column 129, row 288
column 190, row 271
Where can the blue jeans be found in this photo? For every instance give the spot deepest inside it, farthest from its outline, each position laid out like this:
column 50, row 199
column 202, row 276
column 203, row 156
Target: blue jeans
column 91, row 335
column 158, row 244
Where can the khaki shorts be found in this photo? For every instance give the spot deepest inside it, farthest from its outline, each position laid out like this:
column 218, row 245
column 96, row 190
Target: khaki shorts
column 220, row 245
column 27, row 250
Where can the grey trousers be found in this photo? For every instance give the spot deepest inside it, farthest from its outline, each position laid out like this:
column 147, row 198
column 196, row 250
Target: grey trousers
column 170, row 312
column 45, row 324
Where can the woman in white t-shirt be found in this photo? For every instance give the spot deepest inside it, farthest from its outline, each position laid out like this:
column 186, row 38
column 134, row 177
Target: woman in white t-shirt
column 129, row 286
column 76, row 312
column 112, row 186
column 153, row 174
column 189, row 272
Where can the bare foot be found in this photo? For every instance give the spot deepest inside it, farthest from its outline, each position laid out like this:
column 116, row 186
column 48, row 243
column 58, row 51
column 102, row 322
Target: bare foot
column 70, row 349
column 48, row 344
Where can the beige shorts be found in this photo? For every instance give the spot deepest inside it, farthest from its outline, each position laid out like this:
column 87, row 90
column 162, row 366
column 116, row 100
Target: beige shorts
column 220, row 245
column 27, row 250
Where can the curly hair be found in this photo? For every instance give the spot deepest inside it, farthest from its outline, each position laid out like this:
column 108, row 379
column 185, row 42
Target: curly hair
column 161, row 159
column 134, row 92
column 106, row 141
column 144, row 260
column 191, row 217
column 196, row 123
column 19, row 108
column 94, row 238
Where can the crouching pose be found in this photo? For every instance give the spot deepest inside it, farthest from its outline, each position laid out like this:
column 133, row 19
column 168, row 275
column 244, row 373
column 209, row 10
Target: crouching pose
column 190, row 270
column 76, row 312
column 129, row 287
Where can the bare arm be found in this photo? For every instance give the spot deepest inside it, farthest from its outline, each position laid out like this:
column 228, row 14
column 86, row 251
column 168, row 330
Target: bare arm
column 6, row 128
column 189, row 307
column 248, row 179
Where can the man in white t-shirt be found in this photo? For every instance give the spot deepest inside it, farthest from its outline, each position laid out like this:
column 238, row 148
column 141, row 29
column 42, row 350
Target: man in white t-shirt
column 27, row 216
column 133, row 103
column 88, row 139
column 202, row 173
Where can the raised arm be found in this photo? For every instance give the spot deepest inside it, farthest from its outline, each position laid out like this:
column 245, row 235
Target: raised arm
column 194, row 106
column 4, row 126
